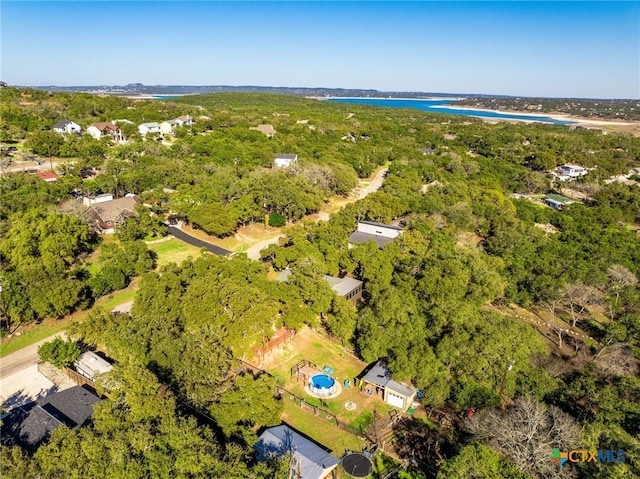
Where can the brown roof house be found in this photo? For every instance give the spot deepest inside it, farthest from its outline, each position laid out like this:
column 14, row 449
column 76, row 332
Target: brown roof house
column 265, row 129
column 105, row 128
column 47, row 176
column 105, row 213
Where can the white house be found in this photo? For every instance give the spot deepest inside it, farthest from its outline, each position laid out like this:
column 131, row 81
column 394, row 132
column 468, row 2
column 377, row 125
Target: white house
column 145, row 128
column 67, row 126
column 568, row 171
column 105, row 128
column 184, row 120
column 378, row 232
column 378, row 378
column 168, row 127
column 283, row 160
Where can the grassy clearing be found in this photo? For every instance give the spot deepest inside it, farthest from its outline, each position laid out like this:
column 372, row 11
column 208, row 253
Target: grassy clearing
column 35, row 332
column 33, row 335
column 323, row 352
column 321, row 429
column 112, row 300
column 173, row 251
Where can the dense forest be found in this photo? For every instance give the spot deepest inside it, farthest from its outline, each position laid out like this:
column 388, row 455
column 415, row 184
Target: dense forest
column 440, row 302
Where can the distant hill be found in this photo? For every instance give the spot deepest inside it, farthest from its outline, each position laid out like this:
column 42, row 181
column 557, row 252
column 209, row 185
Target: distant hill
column 586, row 108
column 140, row 89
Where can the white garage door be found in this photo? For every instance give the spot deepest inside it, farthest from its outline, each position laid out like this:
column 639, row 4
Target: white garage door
column 395, row 400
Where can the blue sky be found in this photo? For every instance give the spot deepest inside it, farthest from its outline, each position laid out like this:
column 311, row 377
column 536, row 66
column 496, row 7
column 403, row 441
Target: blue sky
column 558, row 49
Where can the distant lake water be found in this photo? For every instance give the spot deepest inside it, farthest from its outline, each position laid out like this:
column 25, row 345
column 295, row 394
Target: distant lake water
column 436, row 106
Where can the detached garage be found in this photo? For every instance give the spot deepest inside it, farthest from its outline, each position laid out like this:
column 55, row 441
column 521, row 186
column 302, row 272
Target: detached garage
column 397, row 394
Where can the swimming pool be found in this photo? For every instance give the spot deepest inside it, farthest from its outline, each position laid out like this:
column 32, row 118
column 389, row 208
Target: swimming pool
column 322, row 385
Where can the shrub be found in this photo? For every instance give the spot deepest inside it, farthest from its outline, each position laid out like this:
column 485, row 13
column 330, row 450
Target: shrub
column 276, row 219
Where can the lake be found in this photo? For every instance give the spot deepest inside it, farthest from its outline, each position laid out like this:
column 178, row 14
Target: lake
column 438, row 106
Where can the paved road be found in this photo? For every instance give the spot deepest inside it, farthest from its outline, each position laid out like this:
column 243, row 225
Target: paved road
column 182, row 236
column 23, row 358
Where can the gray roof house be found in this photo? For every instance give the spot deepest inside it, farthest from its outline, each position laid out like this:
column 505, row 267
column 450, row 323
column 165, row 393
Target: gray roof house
column 397, row 394
column 348, row 288
column 308, row 461
column 67, row 126
column 378, row 232
column 30, row 425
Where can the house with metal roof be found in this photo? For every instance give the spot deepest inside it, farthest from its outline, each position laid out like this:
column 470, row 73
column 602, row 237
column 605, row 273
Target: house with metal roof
column 308, row 459
column 90, row 364
column 557, row 202
column 380, row 233
column 348, row 288
column 398, row 394
column 30, row 425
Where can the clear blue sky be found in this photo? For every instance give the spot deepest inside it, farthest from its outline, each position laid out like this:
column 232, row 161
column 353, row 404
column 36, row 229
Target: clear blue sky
column 561, row 49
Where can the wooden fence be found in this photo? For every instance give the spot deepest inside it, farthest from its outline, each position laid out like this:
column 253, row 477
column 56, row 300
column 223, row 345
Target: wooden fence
column 320, row 412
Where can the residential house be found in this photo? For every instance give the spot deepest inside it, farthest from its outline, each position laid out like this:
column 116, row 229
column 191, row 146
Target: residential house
column 105, row 128
column 185, row 120
column 90, row 364
column 400, row 395
column 146, row 128
column 47, row 176
column 570, row 172
column 308, row 459
column 557, row 202
column 265, row 129
column 168, row 127
column 348, row 288
column 30, row 425
column 67, row 126
column 284, row 160
column 106, row 213
column 378, row 232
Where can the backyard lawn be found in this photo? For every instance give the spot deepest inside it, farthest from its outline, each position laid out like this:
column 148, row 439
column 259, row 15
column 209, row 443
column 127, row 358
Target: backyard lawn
column 321, row 429
column 173, row 251
column 320, row 351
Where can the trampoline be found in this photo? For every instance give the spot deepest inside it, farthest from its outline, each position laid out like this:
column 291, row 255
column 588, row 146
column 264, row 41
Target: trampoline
column 357, row 464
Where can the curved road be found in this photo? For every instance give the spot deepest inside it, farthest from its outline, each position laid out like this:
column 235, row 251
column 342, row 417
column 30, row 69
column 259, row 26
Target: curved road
column 182, row 236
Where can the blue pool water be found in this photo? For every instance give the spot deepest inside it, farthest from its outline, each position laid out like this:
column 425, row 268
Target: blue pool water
column 322, row 381
column 436, row 106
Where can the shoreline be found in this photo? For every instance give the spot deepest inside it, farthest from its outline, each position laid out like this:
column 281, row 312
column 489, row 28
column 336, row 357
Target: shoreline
column 439, row 98
column 554, row 116
column 571, row 120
